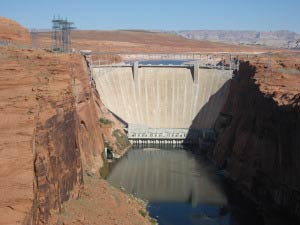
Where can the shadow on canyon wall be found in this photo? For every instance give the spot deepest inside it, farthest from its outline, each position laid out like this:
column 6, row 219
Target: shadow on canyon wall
column 258, row 142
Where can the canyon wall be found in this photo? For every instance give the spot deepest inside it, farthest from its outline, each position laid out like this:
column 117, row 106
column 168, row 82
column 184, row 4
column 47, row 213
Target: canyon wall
column 68, row 138
column 50, row 133
column 259, row 132
column 50, row 130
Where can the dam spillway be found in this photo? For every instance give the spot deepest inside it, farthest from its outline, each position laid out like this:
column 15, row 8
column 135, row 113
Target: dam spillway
column 164, row 96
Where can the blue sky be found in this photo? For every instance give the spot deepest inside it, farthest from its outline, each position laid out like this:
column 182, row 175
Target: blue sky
column 158, row 14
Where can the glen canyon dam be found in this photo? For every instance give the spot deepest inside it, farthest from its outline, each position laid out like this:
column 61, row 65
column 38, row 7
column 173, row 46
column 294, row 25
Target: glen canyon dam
column 116, row 113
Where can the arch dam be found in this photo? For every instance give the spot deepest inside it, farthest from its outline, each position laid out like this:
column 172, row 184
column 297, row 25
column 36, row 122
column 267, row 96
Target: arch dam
column 164, row 103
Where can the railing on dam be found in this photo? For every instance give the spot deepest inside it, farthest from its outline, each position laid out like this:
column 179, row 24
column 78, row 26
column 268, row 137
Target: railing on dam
column 187, row 60
column 232, row 66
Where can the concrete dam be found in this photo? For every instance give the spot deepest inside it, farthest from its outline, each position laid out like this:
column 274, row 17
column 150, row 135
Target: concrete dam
column 165, row 96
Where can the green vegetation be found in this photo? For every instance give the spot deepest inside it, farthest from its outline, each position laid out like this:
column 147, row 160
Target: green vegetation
column 153, row 221
column 104, row 170
column 105, row 121
column 143, row 213
column 121, row 139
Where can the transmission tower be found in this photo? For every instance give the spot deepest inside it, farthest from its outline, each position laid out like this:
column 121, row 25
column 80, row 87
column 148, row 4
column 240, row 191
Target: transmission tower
column 61, row 34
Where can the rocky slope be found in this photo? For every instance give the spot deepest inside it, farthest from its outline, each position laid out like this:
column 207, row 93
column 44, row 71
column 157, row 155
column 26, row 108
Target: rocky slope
column 259, row 131
column 14, row 33
column 281, row 39
column 102, row 204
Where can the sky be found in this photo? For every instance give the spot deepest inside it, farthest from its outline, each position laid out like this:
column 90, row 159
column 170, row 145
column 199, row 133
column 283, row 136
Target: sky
column 260, row 15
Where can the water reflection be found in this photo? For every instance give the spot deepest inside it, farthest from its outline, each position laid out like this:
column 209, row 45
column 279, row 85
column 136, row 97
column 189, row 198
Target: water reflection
column 184, row 214
column 182, row 189
column 172, row 180
column 166, row 175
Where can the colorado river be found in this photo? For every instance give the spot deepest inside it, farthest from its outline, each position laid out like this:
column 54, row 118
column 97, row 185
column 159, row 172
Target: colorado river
column 180, row 187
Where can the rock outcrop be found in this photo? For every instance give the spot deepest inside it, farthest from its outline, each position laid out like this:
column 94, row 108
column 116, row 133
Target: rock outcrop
column 50, row 135
column 67, row 134
column 13, row 33
column 50, row 132
column 283, row 39
column 259, row 131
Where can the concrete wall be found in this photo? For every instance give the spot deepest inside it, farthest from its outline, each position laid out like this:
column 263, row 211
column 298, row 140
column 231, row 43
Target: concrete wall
column 163, row 97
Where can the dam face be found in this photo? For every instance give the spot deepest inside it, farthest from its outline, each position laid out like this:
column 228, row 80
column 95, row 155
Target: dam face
column 163, row 97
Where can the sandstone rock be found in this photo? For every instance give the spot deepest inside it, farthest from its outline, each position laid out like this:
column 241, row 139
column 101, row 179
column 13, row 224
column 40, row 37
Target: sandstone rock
column 43, row 143
column 13, row 32
column 261, row 144
column 282, row 38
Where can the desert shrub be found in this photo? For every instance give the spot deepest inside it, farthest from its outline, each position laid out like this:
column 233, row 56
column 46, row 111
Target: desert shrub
column 143, row 213
column 105, row 121
column 121, row 139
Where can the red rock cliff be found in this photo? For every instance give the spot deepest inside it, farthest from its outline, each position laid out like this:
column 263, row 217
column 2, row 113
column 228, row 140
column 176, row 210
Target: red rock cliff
column 259, row 128
column 13, row 32
column 49, row 133
column 68, row 137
